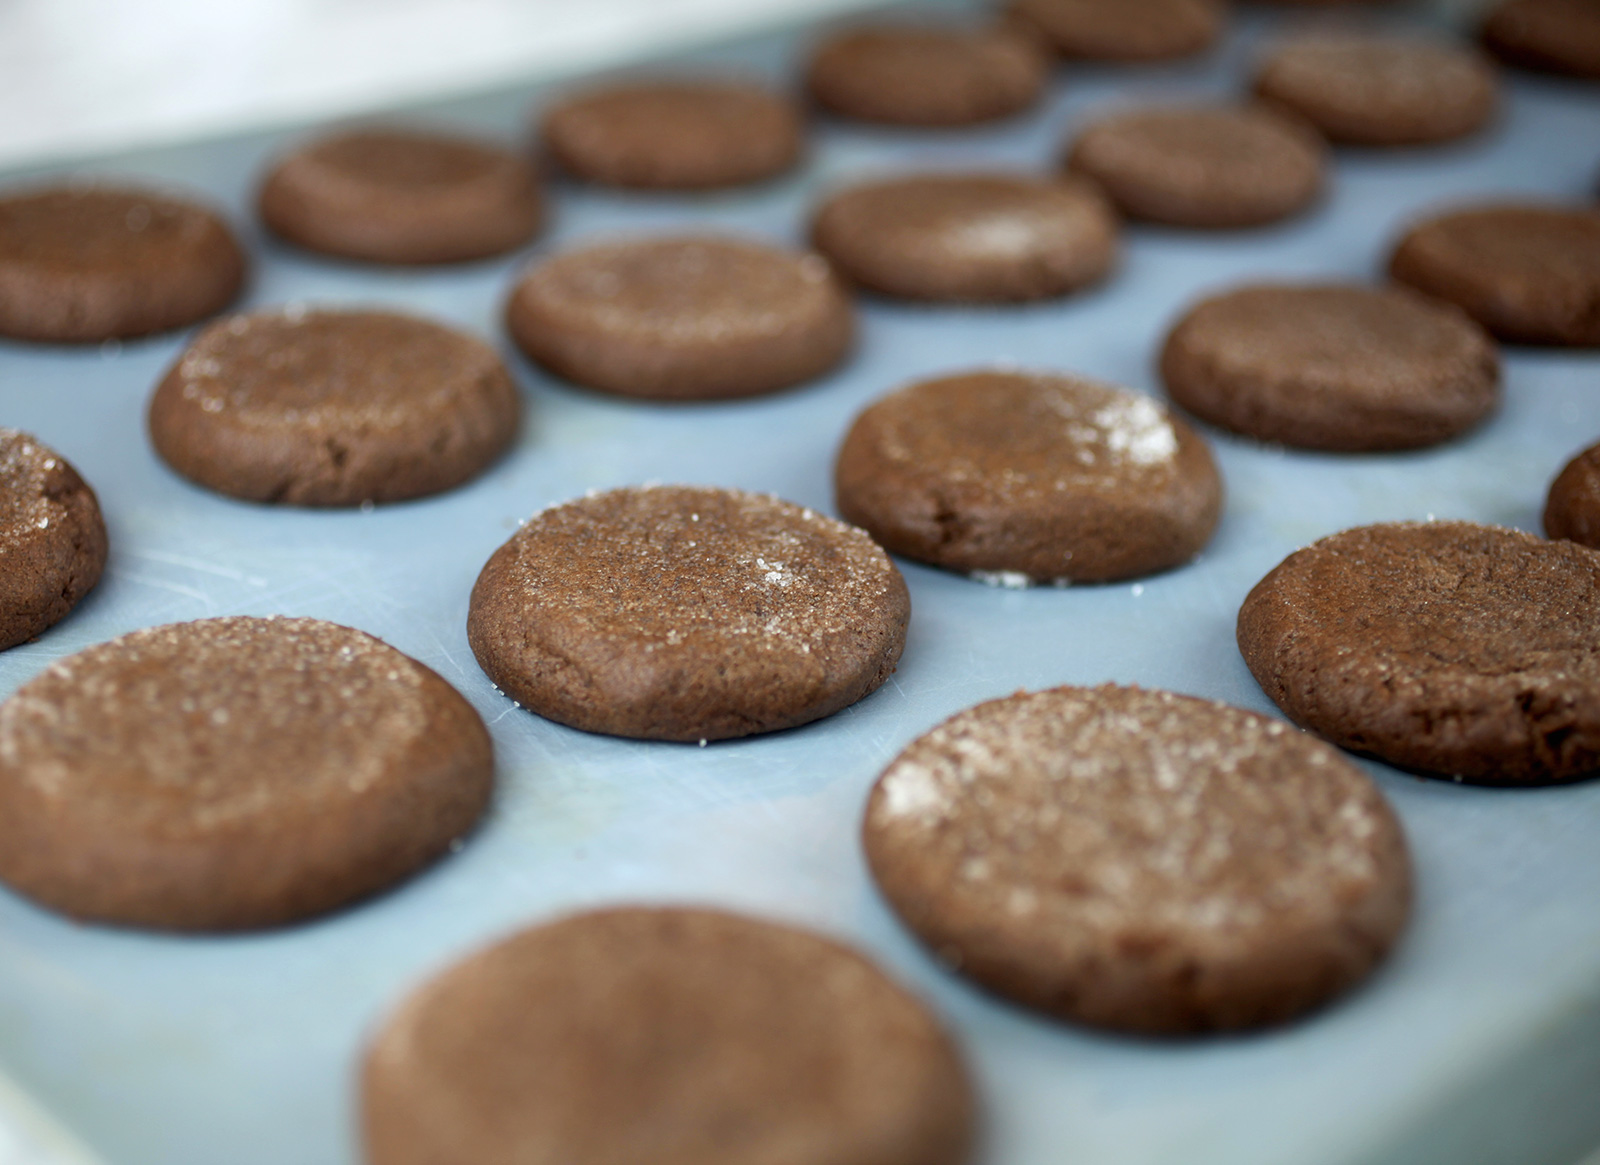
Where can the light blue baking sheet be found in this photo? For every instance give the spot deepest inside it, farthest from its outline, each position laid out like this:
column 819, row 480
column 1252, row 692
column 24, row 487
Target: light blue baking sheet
column 1478, row 1044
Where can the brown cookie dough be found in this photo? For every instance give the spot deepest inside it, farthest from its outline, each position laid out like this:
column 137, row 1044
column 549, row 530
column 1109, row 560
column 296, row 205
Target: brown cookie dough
column 1139, row 860
column 983, row 238
column 1123, row 30
column 1447, row 648
column 1552, row 36
column 100, row 263
column 402, row 196
column 1381, row 90
column 675, row 135
column 1530, row 274
column 1212, row 167
column 232, row 773
column 1350, row 369
column 1021, row 478
column 668, row 1035
column 685, row 613
column 927, row 75
column 52, row 538
column 686, row 318
column 333, row 408
column 1573, row 508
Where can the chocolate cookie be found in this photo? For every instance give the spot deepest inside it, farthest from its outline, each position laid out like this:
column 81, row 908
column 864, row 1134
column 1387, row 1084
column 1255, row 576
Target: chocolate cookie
column 99, row 263
column 1444, row 647
column 682, row 318
column 1530, row 274
column 926, row 75
column 1552, row 36
column 402, row 196
column 333, row 408
column 683, row 613
column 1139, row 860
column 970, row 237
column 232, row 773
column 682, row 135
column 1029, row 478
column 52, row 538
column 1573, row 508
column 1351, row 369
column 1203, row 167
column 1124, row 30
column 1381, row 90
column 673, row 1036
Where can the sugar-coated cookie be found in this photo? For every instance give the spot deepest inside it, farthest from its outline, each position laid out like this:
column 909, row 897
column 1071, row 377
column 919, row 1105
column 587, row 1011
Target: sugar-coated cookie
column 687, row 613
column 392, row 195
column 669, row 1035
column 52, row 538
column 333, row 408
column 682, row 318
column 1021, row 478
column 1332, row 366
column 978, row 238
column 1448, row 648
column 1139, row 860
column 81, row 265
column 675, row 135
column 232, row 773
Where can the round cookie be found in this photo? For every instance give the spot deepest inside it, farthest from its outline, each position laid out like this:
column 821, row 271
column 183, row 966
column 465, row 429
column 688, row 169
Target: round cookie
column 926, row 75
column 675, row 135
column 1552, row 36
column 402, row 196
column 1572, row 510
column 1530, row 274
column 1138, row 860
column 52, row 538
column 686, row 318
column 982, row 238
column 333, row 408
column 1020, row 478
column 1381, row 90
column 1349, row 369
column 1123, row 30
column 232, row 773
column 1446, row 648
column 670, row 1035
column 81, row 265
column 1211, row 167
column 689, row 614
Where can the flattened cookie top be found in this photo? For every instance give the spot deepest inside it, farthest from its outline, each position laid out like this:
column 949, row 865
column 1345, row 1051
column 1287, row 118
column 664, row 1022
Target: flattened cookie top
column 1381, row 90
column 688, row 318
column 1024, row 478
column 926, row 75
column 1448, row 648
column 102, row 262
column 52, row 538
column 1554, row 36
column 675, row 135
column 1140, row 860
column 1528, row 273
column 389, row 195
column 686, row 613
column 670, row 1035
column 229, row 773
column 1572, row 510
column 1222, row 166
column 1124, row 30
column 969, row 237
column 1332, row 367
column 333, row 408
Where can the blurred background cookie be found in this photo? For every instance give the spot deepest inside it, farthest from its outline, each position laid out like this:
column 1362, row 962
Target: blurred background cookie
column 1553, row 36
column 1123, row 30
column 1572, row 509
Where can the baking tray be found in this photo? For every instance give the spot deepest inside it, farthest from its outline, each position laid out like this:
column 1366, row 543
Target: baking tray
column 1479, row 1042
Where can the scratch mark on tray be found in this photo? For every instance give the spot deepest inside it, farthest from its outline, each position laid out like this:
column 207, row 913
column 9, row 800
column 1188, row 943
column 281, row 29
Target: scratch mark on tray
column 227, row 572
column 163, row 585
